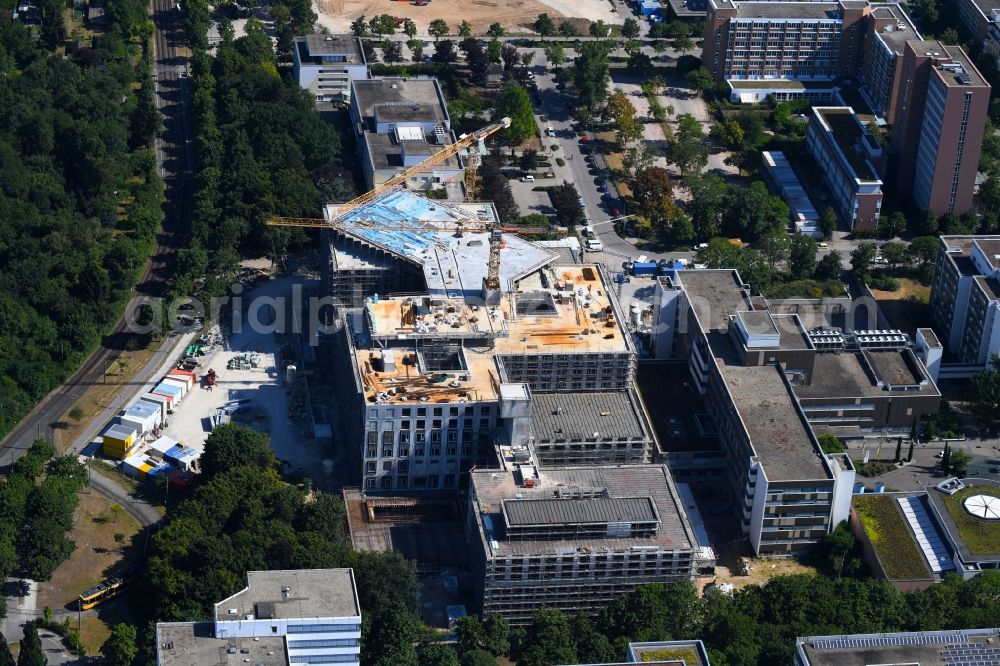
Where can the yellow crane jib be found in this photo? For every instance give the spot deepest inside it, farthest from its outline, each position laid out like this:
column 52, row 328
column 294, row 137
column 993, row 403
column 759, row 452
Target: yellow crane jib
column 463, row 142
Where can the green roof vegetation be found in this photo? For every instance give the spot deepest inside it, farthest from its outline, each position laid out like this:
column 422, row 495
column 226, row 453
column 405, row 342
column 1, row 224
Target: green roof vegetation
column 887, row 530
column 672, row 654
column 981, row 537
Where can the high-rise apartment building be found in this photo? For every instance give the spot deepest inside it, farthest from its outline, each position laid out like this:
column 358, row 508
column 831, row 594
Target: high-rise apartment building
column 931, row 93
column 938, row 128
column 783, row 40
column 965, row 297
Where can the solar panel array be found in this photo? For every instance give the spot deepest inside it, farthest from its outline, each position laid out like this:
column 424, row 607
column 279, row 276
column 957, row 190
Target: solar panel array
column 971, row 654
column 886, row 641
column 928, row 538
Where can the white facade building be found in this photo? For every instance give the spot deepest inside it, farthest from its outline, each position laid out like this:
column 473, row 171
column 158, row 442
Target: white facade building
column 325, row 65
column 288, row 618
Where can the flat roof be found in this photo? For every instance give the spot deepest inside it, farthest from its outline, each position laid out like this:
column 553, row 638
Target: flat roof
column 588, row 511
column 849, row 135
column 334, row 45
column 399, row 99
column 779, row 434
column 926, row 648
column 293, row 594
column 968, row 76
column 804, row 11
column 194, row 644
column 491, row 487
column 688, row 653
column 611, row 415
column 989, row 246
column 901, row 30
column 930, row 336
column 387, row 153
column 836, row 375
column 689, row 8
column 781, row 84
column 988, row 528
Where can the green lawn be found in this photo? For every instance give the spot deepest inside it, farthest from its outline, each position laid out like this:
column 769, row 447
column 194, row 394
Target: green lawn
column 887, row 529
column 982, row 537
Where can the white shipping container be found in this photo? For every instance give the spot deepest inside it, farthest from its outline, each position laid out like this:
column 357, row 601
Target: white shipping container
column 182, row 385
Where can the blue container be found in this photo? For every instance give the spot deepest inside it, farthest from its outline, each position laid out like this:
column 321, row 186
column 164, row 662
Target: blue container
column 644, row 268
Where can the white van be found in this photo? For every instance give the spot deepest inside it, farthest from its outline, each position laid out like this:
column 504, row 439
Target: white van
column 594, row 245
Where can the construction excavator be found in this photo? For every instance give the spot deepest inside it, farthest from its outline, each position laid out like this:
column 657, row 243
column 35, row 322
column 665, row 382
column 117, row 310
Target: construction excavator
column 491, row 284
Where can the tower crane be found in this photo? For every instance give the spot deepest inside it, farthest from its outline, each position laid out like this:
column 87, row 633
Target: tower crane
column 491, row 283
column 464, row 141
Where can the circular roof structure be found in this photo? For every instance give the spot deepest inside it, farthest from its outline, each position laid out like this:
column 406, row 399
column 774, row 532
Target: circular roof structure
column 983, row 506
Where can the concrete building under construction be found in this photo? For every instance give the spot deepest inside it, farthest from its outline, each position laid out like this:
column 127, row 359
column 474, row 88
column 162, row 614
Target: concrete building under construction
column 432, row 380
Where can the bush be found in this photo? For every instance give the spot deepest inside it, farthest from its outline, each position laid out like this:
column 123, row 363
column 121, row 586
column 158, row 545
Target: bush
column 884, row 283
column 874, row 468
column 560, row 161
column 534, row 220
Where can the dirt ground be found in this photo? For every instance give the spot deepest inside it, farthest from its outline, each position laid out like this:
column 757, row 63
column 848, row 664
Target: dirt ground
column 762, row 569
column 96, row 552
column 515, row 15
column 906, row 309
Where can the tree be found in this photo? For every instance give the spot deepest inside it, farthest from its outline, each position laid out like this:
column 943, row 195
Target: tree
column 232, row 445
column 599, row 29
column 444, row 51
column 359, row 26
column 959, row 462
column 637, row 158
column 555, row 53
column 6, row 658
column 496, row 188
column 496, row 30
column 802, row 257
column 688, row 150
column 923, row 251
column 438, row 28
column 544, row 25
column 830, row 443
column 893, row 225
column 494, row 51
column 513, row 102
column 895, row 253
column 709, row 194
column 751, row 265
column 828, row 222
column 621, row 113
column 416, row 47
column 465, row 29
column 527, row 58
column 590, row 74
column 382, row 24
column 630, row 29
column 862, row 258
column 410, row 28
column 120, row 647
column 392, row 51
column 775, row 247
column 478, row 657
column 549, row 640
column 699, row 79
column 566, row 201
column 984, row 395
column 31, row 653
column 838, row 545
column 436, row 654
column 946, row 457
column 684, row 44
column 830, row 266
column 568, row 29
column 653, row 192
column 529, row 160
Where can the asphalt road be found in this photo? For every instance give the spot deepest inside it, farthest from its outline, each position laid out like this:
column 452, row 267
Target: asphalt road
column 174, row 160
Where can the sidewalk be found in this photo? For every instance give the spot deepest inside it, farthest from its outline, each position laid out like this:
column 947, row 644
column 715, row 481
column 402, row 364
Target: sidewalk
column 161, row 362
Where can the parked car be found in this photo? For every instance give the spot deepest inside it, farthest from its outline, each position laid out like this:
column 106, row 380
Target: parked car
column 549, row 131
column 527, row 179
column 824, row 245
